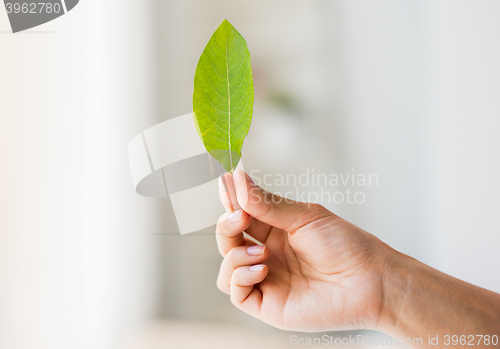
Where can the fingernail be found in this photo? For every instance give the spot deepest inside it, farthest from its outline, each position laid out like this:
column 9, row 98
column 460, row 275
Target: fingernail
column 247, row 177
column 235, row 217
column 256, row 250
column 257, row 267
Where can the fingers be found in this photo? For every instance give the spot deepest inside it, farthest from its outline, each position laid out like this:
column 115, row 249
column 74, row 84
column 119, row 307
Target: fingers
column 243, row 293
column 230, row 227
column 229, row 230
column 273, row 209
column 243, row 256
column 227, row 193
column 240, row 271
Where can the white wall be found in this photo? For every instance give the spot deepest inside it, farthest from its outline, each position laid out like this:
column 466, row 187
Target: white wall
column 383, row 100
column 465, row 143
column 420, row 106
column 77, row 266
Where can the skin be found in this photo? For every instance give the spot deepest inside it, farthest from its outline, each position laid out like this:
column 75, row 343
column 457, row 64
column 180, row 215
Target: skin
column 300, row 267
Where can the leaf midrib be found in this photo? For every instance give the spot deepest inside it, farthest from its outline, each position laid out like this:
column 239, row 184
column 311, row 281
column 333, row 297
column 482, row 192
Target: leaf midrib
column 229, row 102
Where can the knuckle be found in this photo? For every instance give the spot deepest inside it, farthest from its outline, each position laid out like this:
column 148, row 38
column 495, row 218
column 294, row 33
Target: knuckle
column 221, row 286
column 315, row 207
column 315, row 211
column 309, row 213
column 219, row 229
column 222, row 218
column 222, row 251
column 237, row 275
column 233, row 300
column 230, row 254
column 235, row 253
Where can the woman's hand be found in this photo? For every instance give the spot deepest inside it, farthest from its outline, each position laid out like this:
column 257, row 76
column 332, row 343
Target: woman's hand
column 312, row 271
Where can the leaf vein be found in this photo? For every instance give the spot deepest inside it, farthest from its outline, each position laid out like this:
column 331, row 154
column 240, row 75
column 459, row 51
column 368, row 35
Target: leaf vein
column 212, row 85
column 238, row 70
column 222, row 54
column 210, row 102
column 242, row 81
column 216, row 124
column 241, row 99
column 220, row 139
column 215, row 70
column 213, row 55
column 243, row 123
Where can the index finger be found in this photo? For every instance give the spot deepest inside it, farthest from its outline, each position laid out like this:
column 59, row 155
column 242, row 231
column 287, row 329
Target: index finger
column 227, row 193
column 231, row 238
column 230, row 227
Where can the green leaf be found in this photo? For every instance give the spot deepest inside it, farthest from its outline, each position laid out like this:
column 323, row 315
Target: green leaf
column 223, row 95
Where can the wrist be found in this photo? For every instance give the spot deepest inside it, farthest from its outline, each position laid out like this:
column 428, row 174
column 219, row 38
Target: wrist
column 395, row 274
column 416, row 298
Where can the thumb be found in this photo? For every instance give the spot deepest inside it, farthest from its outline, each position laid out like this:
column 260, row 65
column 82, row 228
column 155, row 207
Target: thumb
column 273, row 209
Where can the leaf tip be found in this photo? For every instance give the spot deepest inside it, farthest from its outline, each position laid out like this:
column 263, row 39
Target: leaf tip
column 226, row 23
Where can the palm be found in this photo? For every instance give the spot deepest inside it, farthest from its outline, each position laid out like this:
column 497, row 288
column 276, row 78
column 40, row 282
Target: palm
column 320, row 278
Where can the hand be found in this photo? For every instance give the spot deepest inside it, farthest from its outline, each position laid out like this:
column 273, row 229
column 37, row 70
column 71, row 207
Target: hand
column 311, row 270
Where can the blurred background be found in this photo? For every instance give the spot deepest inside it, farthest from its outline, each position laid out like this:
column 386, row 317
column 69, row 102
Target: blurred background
column 407, row 90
